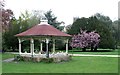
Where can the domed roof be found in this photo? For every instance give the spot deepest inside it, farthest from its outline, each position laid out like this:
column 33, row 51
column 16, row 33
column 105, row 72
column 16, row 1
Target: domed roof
column 43, row 30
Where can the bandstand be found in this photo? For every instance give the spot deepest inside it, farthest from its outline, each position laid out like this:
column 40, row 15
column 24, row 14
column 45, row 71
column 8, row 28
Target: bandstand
column 42, row 32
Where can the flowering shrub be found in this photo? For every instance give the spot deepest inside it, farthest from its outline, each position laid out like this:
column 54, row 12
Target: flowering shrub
column 86, row 39
column 54, row 57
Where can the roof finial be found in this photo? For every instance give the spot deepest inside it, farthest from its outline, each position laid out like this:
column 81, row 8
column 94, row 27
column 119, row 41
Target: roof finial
column 43, row 20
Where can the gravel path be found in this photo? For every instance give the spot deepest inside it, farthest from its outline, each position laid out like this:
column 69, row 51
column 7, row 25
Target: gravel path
column 8, row 60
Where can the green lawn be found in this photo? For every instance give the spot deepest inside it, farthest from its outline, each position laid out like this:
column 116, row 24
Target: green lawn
column 109, row 52
column 76, row 65
column 7, row 55
column 0, row 63
column 0, row 56
column 100, row 52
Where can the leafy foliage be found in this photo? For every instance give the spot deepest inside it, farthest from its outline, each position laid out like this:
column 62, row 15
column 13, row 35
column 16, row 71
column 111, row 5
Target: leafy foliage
column 93, row 23
column 24, row 22
column 86, row 39
column 17, row 26
column 52, row 20
column 104, row 19
column 7, row 15
column 9, row 40
column 116, row 31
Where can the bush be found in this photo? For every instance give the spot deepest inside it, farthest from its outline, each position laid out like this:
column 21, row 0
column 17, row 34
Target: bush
column 47, row 60
column 37, row 59
column 56, row 58
column 22, row 58
column 61, row 58
column 27, row 58
column 18, row 58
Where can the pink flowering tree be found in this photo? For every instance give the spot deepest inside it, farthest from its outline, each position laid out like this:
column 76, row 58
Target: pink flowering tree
column 85, row 40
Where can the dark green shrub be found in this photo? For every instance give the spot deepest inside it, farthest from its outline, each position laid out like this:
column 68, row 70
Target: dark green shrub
column 18, row 58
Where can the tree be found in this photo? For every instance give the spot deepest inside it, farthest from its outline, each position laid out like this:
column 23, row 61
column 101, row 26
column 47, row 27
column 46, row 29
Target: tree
column 119, row 32
column 7, row 15
column 1, row 7
column 10, row 42
column 86, row 39
column 5, row 20
column 116, row 31
column 104, row 19
column 52, row 20
column 25, row 21
column 107, row 39
column 108, row 23
column 79, row 23
column 91, row 24
column 35, row 17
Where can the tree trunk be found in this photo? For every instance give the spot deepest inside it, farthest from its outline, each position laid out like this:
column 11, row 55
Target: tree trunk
column 84, row 49
column 95, row 49
column 92, row 47
column 3, row 50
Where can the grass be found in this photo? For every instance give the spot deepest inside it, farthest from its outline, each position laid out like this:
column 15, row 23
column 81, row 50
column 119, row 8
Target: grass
column 0, row 63
column 76, row 65
column 100, row 52
column 0, row 56
column 7, row 55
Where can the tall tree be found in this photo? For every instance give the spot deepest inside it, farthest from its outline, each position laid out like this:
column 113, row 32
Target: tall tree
column 104, row 19
column 91, row 24
column 9, row 41
column 7, row 15
column 67, row 28
column 116, row 31
column 119, row 31
column 52, row 20
column 17, row 26
column 35, row 17
column 80, row 23
column 1, row 7
column 5, row 20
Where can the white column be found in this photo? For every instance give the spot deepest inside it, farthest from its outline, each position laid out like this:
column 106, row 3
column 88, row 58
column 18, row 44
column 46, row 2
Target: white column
column 53, row 45
column 67, row 46
column 32, row 46
column 47, row 51
column 41, row 48
column 41, row 45
column 19, row 46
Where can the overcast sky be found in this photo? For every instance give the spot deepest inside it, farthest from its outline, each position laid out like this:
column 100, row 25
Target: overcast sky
column 65, row 10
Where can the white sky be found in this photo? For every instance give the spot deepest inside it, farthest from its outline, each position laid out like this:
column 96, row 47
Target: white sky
column 65, row 10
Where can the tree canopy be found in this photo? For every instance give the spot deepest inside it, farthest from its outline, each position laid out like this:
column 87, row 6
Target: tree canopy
column 93, row 23
column 86, row 39
column 25, row 21
column 52, row 20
